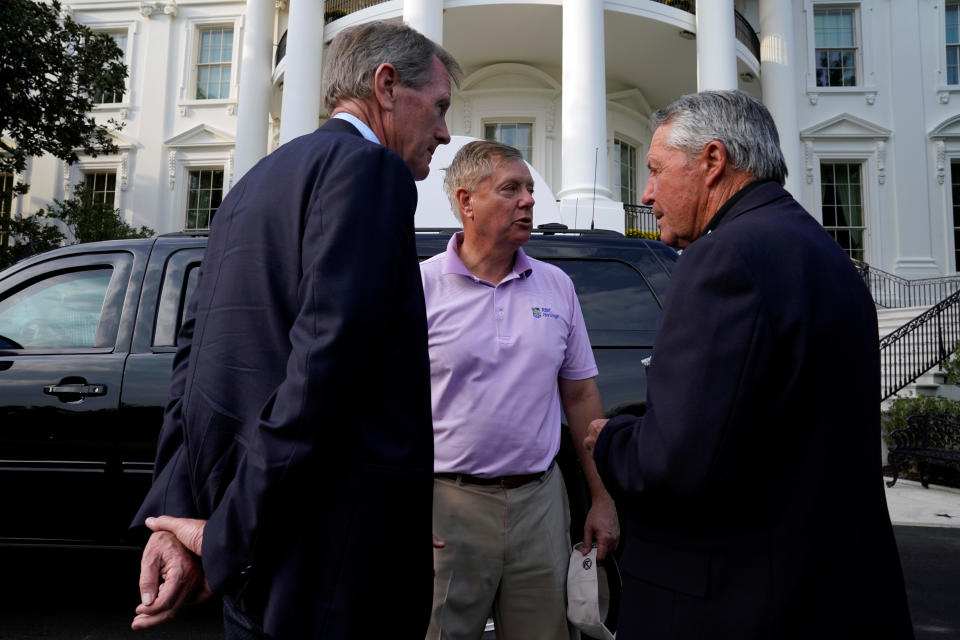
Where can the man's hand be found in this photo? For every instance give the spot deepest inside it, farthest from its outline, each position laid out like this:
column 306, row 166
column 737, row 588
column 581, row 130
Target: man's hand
column 602, row 526
column 596, row 426
column 172, row 554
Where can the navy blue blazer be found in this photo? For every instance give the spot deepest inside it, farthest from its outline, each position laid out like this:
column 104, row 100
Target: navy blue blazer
column 299, row 418
column 750, row 494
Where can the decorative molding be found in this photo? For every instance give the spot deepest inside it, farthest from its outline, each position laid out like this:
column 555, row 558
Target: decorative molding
column 280, row 4
column 276, row 131
column 941, row 161
column 944, row 97
column 870, row 97
column 846, row 126
column 229, row 169
column 232, row 109
column 549, row 121
column 170, row 9
column 124, row 114
column 172, row 168
column 124, row 170
column 813, row 98
column 467, row 115
column 147, row 9
column 881, row 161
column 182, row 110
column 808, row 160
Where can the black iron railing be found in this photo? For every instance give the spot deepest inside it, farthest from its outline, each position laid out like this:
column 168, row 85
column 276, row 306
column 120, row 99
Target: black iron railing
column 893, row 292
column 919, row 345
column 336, row 9
column 744, row 31
column 638, row 220
column 746, row 34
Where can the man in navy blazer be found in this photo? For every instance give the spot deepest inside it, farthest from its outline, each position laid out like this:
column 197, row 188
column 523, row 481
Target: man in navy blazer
column 750, row 493
column 296, row 454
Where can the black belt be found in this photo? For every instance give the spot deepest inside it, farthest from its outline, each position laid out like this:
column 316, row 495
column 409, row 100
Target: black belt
column 504, row 482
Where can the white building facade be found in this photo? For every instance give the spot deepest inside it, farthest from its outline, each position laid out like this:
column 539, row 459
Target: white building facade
column 865, row 93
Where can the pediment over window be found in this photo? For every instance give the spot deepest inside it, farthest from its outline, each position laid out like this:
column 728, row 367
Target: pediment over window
column 846, row 126
column 123, row 142
column 202, row 135
column 949, row 128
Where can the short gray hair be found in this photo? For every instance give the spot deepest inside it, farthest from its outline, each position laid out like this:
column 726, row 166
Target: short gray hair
column 473, row 164
column 356, row 53
column 740, row 122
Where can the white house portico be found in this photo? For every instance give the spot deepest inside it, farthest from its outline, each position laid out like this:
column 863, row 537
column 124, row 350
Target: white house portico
column 864, row 93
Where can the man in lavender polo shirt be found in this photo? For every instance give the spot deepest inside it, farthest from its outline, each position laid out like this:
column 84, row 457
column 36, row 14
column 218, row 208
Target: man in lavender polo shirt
column 507, row 345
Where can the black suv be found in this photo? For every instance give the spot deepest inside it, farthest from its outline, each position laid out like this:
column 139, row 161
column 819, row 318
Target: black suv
column 87, row 338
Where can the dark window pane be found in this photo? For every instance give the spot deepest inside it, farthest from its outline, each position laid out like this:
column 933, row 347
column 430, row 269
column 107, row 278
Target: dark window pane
column 613, row 296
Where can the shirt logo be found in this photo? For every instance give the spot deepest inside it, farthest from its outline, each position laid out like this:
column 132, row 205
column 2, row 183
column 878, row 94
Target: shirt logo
column 587, row 564
column 543, row 312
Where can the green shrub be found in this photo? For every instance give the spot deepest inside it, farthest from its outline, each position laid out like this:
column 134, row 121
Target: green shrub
column 951, row 367
column 895, row 416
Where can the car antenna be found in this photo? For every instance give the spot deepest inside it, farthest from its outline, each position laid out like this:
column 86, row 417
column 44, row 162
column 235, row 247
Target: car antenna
column 593, row 212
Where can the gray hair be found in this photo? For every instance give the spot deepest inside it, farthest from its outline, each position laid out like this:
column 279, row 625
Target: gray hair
column 473, row 164
column 740, row 122
column 356, row 53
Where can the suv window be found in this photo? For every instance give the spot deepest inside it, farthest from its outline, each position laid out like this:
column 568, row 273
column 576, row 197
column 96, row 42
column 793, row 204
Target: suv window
column 60, row 311
column 613, row 296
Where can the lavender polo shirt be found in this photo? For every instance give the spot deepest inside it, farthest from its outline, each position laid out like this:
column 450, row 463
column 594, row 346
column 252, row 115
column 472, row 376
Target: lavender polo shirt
column 495, row 355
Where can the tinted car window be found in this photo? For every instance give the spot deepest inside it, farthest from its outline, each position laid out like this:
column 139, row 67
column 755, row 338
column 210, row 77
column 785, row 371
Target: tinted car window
column 60, row 311
column 613, row 296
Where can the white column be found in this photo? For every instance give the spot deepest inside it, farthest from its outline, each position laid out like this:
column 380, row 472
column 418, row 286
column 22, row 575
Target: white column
column 300, row 113
column 778, row 63
column 584, row 103
column 253, row 103
column 426, row 16
column 716, row 45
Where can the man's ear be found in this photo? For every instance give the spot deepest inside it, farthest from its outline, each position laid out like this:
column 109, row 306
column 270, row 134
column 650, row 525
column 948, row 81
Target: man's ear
column 463, row 201
column 385, row 86
column 715, row 161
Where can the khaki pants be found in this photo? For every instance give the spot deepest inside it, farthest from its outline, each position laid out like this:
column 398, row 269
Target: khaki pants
column 506, row 549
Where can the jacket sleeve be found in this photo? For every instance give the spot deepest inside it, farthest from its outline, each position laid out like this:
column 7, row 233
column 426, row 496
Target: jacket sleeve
column 710, row 357
column 357, row 228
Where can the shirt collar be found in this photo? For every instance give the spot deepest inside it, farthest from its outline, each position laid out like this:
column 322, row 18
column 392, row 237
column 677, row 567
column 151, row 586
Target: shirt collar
column 725, row 209
column 361, row 126
column 522, row 266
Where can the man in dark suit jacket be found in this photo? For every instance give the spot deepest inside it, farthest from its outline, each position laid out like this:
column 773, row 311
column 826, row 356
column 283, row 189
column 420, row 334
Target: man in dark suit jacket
column 750, row 493
column 298, row 438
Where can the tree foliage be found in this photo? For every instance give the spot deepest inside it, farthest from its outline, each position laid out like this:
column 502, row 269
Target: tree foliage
column 91, row 221
column 86, row 219
column 50, row 67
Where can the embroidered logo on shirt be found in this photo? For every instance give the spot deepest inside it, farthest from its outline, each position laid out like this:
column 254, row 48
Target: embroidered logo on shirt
column 543, row 312
column 587, row 564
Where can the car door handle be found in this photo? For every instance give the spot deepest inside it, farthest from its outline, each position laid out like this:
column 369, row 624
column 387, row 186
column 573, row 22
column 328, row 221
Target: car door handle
column 82, row 390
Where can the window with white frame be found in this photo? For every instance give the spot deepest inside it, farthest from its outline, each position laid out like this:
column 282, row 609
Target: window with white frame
column 625, row 171
column 515, row 134
column 841, row 205
column 214, row 56
column 204, row 193
column 836, row 46
column 113, row 97
column 102, row 186
column 952, row 9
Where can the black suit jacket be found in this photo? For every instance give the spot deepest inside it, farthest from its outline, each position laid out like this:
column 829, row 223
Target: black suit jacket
column 750, row 493
column 299, row 418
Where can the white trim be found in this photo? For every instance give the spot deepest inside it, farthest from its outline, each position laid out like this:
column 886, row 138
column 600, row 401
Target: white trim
column 183, row 163
column 132, row 28
column 188, row 75
column 866, row 54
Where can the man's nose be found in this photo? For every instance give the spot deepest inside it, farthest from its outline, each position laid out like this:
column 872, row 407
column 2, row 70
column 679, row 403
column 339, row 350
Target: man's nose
column 647, row 197
column 443, row 135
